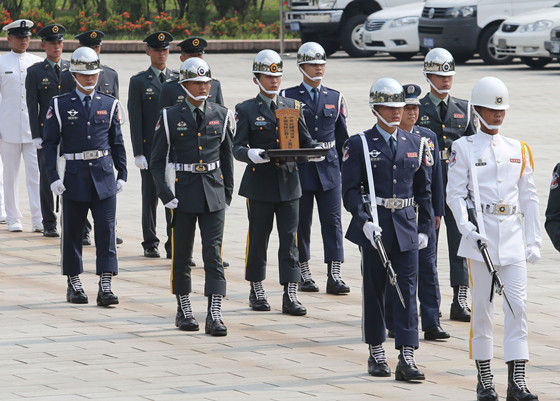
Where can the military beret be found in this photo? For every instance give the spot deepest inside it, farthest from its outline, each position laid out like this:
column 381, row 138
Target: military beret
column 159, row 40
column 21, row 27
column 90, row 38
column 194, row 44
column 411, row 94
column 52, row 32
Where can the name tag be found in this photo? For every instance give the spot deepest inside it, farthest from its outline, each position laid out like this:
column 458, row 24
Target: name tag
column 101, row 112
column 329, row 106
column 412, row 154
column 215, row 122
column 457, row 115
column 515, row 160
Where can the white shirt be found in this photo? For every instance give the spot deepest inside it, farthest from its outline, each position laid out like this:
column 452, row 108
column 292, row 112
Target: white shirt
column 13, row 107
column 498, row 161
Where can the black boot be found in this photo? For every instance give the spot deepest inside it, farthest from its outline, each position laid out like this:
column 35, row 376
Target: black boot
column 214, row 324
column 459, row 308
column 105, row 296
column 257, row 297
column 75, row 293
column 517, row 388
column 406, row 368
column 335, row 285
column 290, row 301
column 307, row 284
column 184, row 319
column 485, row 388
column 377, row 361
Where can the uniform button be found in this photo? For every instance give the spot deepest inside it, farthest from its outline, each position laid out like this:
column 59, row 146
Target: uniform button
column 447, row 161
column 89, row 137
column 501, row 201
column 498, row 161
column 316, row 117
column 253, row 169
column 58, row 86
column 499, row 180
column 442, row 125
column 149, row 98
column 199, row 134
column 90, row 164
column 278, row 140
column 459, row 125
column 260, row 128
column 88, row 123
column 493, row 143
column 200, row 148
column 277, row 164
column 445, row 148
column 444, row 137
column 316, row 129
column 22, row 109
column 182, row 134
column 394, row 181
column 42, row 124
column 144, row 141
column 394, row 167
column 201, row 161
column 23, row 83
column 501, row 220
column 22, row 96
column 375, row 165
column 394, row 195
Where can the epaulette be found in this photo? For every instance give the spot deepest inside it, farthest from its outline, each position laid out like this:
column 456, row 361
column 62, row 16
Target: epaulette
column 139, row 73
column 297, row 104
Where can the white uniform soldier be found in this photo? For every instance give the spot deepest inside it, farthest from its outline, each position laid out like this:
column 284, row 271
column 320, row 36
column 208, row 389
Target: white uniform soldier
column 496, row 174
column 15, row 132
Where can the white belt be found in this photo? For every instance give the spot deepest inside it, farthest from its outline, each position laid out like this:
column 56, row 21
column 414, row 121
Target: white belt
column 444, row 154
column 197, row 167
column 499, row 208
column 394, row 203
column 87, row 155
column 327, row 145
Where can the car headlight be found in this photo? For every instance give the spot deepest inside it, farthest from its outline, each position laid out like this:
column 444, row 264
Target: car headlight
column 536, row 26
column 400, row 22
column 326, row 3
column 461, row 12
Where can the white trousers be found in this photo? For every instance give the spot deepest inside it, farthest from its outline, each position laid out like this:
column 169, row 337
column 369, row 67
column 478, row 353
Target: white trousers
column 11, row 157
column 2, row 207
column 514, row 278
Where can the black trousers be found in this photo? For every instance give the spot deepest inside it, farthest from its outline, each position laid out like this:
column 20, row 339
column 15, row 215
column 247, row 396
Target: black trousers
column 149, row 209
column 211, row 225
column 46, row 195
column 261, row 217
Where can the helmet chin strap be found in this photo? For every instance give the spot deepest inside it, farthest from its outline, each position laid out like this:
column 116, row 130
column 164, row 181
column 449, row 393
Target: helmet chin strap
column 315, row 79
column 440, row 91
column 488, row 126
column 196, row 98
column 86, row 88
column 390, row 124
column 264, row 90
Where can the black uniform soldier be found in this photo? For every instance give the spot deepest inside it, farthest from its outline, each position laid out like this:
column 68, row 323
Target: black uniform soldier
column 143, row 110
column 44, row 81
column 270, row 188
column 450, row 118
column 552, row 223
column 199, row 135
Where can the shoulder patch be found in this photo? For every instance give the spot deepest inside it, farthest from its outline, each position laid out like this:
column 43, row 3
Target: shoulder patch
column 452, row 158
column 554, row 183
column 49, row 112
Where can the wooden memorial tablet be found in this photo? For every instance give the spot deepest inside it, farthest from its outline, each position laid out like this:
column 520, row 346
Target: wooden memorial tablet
column 288, row 128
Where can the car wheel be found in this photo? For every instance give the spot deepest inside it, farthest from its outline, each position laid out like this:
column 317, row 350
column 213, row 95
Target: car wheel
column 536, row 62
column 487, row 50
column 330, row 46
column 350, row 37
column 403, row 56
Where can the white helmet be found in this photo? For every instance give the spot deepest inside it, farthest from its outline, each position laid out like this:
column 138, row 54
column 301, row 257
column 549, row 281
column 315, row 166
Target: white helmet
column 267, row 62
column 195, row 69
column 439, row 61
column 311, row 53
column 490, row 92
column 387, row 92
column 85, row 61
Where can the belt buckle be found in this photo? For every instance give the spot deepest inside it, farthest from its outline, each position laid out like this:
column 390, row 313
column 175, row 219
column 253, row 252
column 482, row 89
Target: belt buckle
column 502, row 209
column 200, row 167
column 90, row 154
column 395, row 203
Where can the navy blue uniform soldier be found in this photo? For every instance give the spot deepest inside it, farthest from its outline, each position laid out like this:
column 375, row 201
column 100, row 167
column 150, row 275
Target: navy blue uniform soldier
column 272, row 188
column 552, row 223
column 143, row 110
column 325, row 115
column 44, row 81
column 88, row 125
column 395, row 164
column 450, row 118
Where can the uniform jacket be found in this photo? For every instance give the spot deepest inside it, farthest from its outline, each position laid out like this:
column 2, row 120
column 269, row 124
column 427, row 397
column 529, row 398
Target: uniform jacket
column 172, row 93
column 13, row 107
column 100, row 130
column 498, row 161
column 434, row 172
column 326, row 122
column 41, row 86
column 108, row 81
column 552, row 223
column 256, row 128
column 405, row 177
column 143, row 109
column 192, row 145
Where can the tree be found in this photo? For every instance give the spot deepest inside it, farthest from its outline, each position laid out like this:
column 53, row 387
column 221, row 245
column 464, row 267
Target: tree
column 136, row 8
column 13, row 7
column 222, row 7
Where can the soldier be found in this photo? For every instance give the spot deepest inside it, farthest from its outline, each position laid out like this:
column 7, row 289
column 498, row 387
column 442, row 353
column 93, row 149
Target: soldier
column 143, row 110
column 15, row 133
column 395, row 169
column 198, row 133
column 44, row 81
column 450, row 118
column 271, row 188
column 325, row 116
column 495, row 174
column 552, row 223
column 88, row 124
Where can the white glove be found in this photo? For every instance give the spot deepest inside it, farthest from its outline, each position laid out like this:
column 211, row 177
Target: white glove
column 141, row 162
column 58, row 187
column 532, row 254
column 254, row 155
column 474, row 237
column 227, row 207
column 38, row 143
column 422, row 240
column 172, row 204
column 317, row 159
column 120, row 185
column 369, row 230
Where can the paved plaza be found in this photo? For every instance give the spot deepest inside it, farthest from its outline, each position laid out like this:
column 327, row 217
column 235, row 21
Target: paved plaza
column 53, row 350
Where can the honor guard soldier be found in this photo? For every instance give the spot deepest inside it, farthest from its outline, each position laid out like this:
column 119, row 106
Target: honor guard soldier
column 495, row 174
column 45, row 80
column 395, row 168
column 271, row 188
column 198, row 133
column 552, row 223
column 450, row 118
column 143, row 110
column 88, row 125
column 15, row 132
column 325, row 116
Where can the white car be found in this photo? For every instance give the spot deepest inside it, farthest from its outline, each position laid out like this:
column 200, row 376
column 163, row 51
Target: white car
column 394, row 30
column 524, row 35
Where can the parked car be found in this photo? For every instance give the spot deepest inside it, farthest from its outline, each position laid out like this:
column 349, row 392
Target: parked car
column 394, row 30
column 524, row 36
column 466, row 27
column 553, row 45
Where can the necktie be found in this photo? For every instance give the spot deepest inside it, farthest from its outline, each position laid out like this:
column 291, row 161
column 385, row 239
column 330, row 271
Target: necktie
column 393, row 145
column 199, row 117
column 315, row 96
column 57, row 70
column 86, row 104
column 442, row 110
column 162, row 77
column 273, row 106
